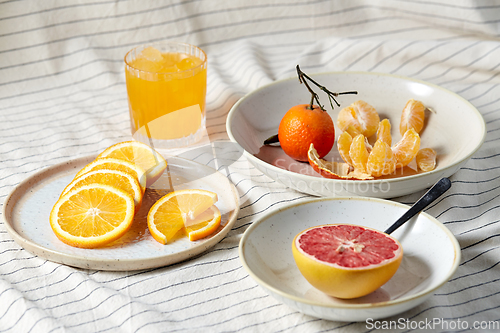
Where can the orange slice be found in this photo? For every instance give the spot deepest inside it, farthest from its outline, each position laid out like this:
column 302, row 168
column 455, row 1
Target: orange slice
column 407, row 148
column 116, row 164
column 169, row 214
column 381, row 161
column 333, row 170
column 91, row 216
column 384, row 131
column 358, row 118
column 426, row 159
column 359, row 153
column 140, row 154
column 204, row 224
column 412, row 117
column 119, row 179
column 344, row 145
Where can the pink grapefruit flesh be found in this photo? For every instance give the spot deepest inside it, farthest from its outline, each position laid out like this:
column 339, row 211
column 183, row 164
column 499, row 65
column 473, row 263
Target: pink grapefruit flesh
column 346, row 261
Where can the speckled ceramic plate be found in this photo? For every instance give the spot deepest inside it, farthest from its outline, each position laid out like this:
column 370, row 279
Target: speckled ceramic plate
column 256, row 117
column 431, row 257
column 26, row 214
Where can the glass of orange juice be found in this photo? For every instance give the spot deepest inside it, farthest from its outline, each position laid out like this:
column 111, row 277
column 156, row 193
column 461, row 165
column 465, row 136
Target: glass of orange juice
column 166, row 87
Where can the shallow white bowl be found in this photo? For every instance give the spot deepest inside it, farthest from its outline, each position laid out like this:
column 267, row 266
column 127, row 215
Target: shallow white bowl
column 456, row 130
column 431, row 257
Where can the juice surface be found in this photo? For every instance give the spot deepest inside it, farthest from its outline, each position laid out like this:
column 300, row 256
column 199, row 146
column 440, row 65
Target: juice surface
column 166, row 93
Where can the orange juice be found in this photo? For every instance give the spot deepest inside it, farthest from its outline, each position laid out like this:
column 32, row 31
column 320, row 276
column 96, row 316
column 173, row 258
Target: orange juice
column 166, row 93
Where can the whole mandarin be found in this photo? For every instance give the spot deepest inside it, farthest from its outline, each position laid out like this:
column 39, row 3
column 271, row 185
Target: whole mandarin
column 303, row 125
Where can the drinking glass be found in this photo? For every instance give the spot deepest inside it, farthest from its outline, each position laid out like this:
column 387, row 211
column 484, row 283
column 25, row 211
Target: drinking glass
column 166, row 87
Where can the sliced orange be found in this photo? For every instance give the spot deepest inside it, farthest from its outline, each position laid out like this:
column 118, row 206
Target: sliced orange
column 116, row 164
column 116, row 178
column 168, row 215
column 344, row 145
column 412, row 117
column 359, row 153
column 426, row 159
column 381, row 161
column 407, row 148
column 93, row 215
column 358, row 118
column 333, row 170
column 140, row 154
column 204, row 224
column 384, row 131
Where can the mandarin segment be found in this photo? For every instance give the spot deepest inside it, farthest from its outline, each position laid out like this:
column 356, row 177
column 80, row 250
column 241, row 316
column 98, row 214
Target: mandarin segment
column 359, row 118
column 344, row 145
column 359, row 153
column 381, row 161
column 407, row 148
column 412, row 117
column 384, row 131
column 426, row 159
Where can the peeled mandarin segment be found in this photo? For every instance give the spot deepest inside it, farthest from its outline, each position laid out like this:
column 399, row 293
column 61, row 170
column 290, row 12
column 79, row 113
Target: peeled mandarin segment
column 426, row 159
column 368, row 118
column 347, row 121
column 407, row 148
column 384, row 131
column 353, row 131
column 92, row 215
column 344, row 145
column 141, row 154
column 168, row 215
column 359, row 153
column 381, row 161
column 116, row 164
column 358, row 118
column 412, row 117
column 119, row 179
column 204, row 224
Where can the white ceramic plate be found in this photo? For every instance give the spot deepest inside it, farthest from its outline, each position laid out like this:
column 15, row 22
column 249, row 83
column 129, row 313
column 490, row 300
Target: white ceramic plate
column 431, row 257
column 26, row 214
column 456, row 130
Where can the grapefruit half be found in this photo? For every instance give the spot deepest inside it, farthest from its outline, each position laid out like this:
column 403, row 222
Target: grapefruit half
column 346, row 261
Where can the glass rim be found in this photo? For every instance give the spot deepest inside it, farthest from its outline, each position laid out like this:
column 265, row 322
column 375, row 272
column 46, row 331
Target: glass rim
column 204, row 61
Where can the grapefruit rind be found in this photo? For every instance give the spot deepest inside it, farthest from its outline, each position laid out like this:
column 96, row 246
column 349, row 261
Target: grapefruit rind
column 345, row 282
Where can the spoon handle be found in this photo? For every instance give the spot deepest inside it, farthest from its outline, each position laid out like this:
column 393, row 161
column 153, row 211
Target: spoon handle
column 434, row 192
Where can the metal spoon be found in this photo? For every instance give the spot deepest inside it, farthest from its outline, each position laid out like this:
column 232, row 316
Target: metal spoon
column 434, row 192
